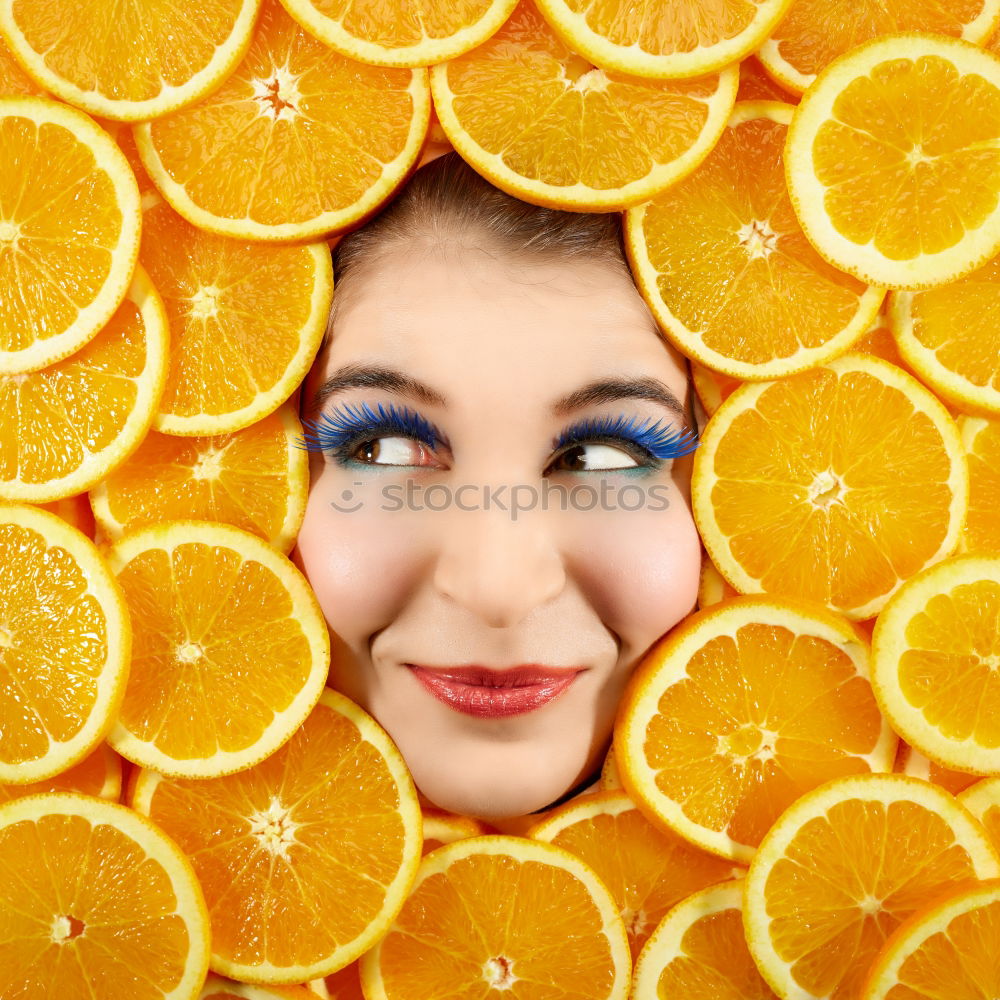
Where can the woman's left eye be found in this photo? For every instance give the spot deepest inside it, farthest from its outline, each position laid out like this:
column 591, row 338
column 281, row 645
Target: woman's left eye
column 594, row 457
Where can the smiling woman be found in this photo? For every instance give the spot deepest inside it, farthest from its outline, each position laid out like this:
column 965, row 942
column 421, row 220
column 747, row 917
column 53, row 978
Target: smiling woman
column 498, row 524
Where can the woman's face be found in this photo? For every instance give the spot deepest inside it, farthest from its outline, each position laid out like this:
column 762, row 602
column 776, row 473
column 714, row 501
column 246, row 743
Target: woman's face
column 567, row 556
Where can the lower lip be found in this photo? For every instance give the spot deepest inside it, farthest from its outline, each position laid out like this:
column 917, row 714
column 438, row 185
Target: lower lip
column 491, row 702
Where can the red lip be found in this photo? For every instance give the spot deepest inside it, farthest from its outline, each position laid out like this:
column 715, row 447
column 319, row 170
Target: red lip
column 492, row 694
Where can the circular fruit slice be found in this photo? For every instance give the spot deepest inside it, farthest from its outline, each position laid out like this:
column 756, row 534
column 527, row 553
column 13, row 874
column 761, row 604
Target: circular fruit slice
column 983, row 800
column 502, row 913
column 808, row 38
column 305, row 858
column 952, row 941
column 230, row 648
column 91, row 893
column 256, row 479
column 647, row 870
column 98, row 774
column 723, row 264
column 66, row 427
column 539, row 122
column 412, row 34
column 935, row 652
column 915, row 764
column 65, row 638
column 217, row 988
column 69, row 231
column 833, row 484
column 739, row 711
column 141, row 60
column 682, row 39
column 611, row 779
column 699, row 951
column 981, row 439
column 885, row 191
column 299, row 140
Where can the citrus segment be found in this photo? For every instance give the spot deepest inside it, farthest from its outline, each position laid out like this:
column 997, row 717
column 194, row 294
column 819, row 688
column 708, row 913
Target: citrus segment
column 69, row 231
column 699, row 951
column 230, row 653
column 843, row 867
column 880, row 342
column 834, row 484
column 305, row 858
column 647, row 870
column 542, row 124
column 297, row 142
column 723, row 264
column 981, row 439
column 740, row 710
column 915, row 764
column 255, row 479
column 611, row 779
column 98, row 774
column 65, row 638
column 501, row 913
column 412, row 34
column 91, row 893
column 983, row 800
column 13, row 80
column 682, row 39
column 886, row 191
column 935, row 654
column 70, row 424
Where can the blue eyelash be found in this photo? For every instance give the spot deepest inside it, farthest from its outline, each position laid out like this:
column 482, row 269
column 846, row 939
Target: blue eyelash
column 660, row 441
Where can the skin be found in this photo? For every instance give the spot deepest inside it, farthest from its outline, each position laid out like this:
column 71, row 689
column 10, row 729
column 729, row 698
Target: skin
column 500, row 339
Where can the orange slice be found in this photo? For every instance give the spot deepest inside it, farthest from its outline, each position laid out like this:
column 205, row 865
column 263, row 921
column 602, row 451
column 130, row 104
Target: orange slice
column 94, row 894
column 810, row 37
column 946, row 337
column 712, row 586
column 256, row 479
column 741, row 709
column 74, row 510
column 723, row 264
column 711, row 387
column 413, row 34
column 843, row 867
column 66, row 427
column 647, row 870
column 445, row 828
column 886, row 191
column 756, row 85
column 611, row 779
column 298, row 141
column 981, row 439
column 681, row 39
column 245, row 322
column 65, row 638
column 950, row 942
column 69, row 231
column 983, row 800
column 699, row 951
column 834, row 484
column 218, row 988
column 13, row 80
column 915, row 764
column 305, row 858
column 935, row 652
column 541, row 123
column 880, row 342
column 500, row 913
column 342, row 985
column 98, row 774
column 231, row 648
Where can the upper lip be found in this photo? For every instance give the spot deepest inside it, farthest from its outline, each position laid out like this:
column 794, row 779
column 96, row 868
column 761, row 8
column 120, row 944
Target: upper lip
column 521, row 675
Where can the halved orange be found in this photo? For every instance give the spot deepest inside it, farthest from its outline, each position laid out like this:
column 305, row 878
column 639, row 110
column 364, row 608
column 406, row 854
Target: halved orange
column 681, row 39
column 245, row 320
column 834, row 484
column 13, row 80
column 648, row 870
column 946, row 337
column 741, row 709
column 540, row 122
column 843, row 867
column 218, row 988
column 95, row 895
column 412, row 34
column 98, row 774
column 65, row 427
column 69, row 231
column 256, row 479
column 883, row 189
column 948, row 948
column 307, row 857
column 65, row 640
column 981, row 439
column 915, row 764
column 810, row 36
column 699, row 951
column 983, row 800
column 723, row 264
column 230, row 650
column 935, row 654
column 499, row 913
column 299, row 140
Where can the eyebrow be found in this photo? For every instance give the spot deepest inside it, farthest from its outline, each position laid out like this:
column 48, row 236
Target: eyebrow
column 603, row 390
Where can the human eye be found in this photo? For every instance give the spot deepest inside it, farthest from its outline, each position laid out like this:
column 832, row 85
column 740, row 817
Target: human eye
column 357, row 435
column 605, row 444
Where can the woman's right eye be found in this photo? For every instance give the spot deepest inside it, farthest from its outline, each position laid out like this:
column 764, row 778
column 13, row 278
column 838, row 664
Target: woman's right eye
column 387, row 450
